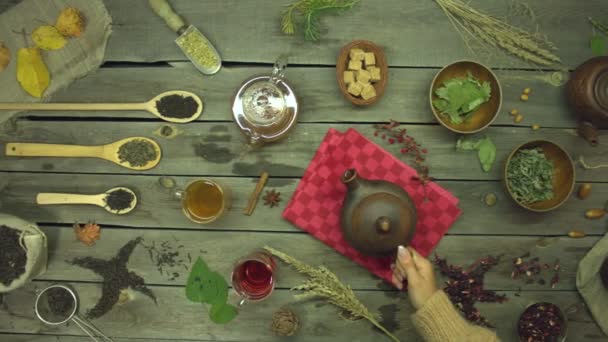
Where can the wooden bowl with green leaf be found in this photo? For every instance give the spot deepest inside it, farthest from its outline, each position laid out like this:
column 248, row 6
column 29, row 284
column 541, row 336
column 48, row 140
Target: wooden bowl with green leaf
column 539, row 175
column 465, row 97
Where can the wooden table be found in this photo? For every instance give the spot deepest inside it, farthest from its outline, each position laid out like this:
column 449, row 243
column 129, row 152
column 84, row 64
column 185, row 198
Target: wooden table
column 143, row 61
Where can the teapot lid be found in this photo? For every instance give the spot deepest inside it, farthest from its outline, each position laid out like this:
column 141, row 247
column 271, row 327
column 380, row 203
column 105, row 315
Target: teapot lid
column 380, row 223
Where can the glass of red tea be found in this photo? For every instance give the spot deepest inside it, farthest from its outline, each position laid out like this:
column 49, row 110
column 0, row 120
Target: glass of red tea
column 253, row 276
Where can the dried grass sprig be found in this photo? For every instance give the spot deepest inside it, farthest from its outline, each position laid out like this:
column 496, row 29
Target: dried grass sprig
column 325, row 284
column 473, row 24
column 586, row 166
column 599, row 26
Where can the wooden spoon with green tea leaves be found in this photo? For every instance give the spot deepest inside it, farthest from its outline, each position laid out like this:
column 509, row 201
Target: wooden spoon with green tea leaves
column 175, row 106
column 135, row 153
column 117, row 200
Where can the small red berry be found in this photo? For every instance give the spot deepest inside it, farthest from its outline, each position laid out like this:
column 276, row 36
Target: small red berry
column 376, row 133
column 424, row 150
column 383, row 136
column 403, row 151
column 391, row 141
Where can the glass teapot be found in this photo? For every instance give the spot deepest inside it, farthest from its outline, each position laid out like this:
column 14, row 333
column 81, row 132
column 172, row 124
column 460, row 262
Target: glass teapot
column 265, row 108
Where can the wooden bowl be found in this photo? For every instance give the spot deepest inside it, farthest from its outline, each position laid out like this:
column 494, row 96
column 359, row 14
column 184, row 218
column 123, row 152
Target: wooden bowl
column 486, row 113
column 342, row 65
column 563, row 175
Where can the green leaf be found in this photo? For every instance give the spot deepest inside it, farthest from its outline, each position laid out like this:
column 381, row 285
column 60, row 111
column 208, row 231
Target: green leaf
column 487, row 154
column 466, row 143
column 460, row 97
column 214, row 289
column 222, row 313
column 194, row 290
column 598, row 45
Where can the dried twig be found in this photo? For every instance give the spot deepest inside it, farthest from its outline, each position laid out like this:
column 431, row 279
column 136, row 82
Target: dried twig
column 325, row 284
column 586, row 166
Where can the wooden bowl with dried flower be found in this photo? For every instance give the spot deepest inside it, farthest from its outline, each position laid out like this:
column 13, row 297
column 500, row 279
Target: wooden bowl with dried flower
column 481, row 117
column 379, row 68
column 562, row 180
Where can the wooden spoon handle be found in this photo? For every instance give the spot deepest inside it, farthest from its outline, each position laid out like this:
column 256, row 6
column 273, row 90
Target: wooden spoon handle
column 53, row 150
column 73, row 106
column 59, row 198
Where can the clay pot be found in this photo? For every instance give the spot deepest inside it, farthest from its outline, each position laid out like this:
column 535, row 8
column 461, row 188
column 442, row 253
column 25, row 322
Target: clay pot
column 587, row 94
column 377, row 216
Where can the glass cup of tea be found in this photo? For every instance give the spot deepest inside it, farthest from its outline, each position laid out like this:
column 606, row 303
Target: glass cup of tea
column 204, row 200
column 253, row 276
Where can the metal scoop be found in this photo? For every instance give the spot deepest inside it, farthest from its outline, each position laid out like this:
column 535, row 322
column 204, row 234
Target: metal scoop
column 50, row 312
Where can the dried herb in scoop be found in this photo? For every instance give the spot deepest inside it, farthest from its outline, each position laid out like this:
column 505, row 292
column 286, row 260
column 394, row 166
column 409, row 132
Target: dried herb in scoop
column 138, row 152
column 177, row 106
column 119, row 200
column 460, row 97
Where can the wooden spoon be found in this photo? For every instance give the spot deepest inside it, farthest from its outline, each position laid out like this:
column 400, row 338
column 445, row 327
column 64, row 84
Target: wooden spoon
column 149, row 106
column 45, row 198
column 107, row 152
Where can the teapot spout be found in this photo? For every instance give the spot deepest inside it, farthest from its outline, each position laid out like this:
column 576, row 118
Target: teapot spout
column 351, row 179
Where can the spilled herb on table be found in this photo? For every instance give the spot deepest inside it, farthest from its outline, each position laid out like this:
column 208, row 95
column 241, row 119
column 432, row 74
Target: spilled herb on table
column 307, row 13
column 209, row 287
column 465, row 287
column 410, row 147
column 486, row 150
column 530, row 176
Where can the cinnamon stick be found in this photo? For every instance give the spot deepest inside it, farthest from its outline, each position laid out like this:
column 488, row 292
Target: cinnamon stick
column 253, row 199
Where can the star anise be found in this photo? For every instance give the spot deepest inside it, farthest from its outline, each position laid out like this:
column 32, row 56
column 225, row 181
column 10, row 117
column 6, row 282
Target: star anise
column 272, row 198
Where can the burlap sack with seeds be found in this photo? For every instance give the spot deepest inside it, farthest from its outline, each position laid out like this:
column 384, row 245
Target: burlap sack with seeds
column 35, row 244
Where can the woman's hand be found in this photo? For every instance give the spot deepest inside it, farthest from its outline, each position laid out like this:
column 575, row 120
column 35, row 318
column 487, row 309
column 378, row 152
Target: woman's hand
column 418, row 272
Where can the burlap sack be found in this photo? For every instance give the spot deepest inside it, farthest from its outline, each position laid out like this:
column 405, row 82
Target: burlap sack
column 589, row 283
column 35, row 244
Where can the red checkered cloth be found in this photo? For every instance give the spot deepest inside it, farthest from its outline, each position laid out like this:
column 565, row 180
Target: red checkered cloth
column 317, row 202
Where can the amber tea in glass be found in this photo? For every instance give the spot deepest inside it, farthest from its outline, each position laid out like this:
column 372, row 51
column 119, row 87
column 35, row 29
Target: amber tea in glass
column 253, row 276
column 204, row 200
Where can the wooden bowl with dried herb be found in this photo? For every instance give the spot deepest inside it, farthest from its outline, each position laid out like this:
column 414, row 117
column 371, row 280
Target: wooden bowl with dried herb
column 542, row 322
column 539, row 175
column 362, row 72
column 465, row 97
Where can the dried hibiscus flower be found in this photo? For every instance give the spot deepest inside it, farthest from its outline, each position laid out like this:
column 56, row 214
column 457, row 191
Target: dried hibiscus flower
column 87, row 233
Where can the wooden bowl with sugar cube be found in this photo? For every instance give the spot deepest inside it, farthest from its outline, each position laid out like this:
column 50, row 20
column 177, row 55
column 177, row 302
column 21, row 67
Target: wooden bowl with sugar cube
column 362, row 72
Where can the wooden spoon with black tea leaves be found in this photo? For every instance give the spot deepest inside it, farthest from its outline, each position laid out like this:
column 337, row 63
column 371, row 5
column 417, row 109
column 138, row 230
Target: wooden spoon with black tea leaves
column 130, row 156
column 176, row 106
column 117, row 200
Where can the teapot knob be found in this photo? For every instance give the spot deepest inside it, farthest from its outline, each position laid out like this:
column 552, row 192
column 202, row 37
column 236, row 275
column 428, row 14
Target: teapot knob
column 383, row 225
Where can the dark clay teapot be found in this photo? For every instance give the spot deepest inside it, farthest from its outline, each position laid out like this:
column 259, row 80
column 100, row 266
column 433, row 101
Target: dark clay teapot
column 377, row 216
column 587, row 93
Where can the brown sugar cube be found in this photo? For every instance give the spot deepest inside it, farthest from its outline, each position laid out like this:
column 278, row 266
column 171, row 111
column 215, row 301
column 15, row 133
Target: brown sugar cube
column 355, row 88
column 363, row 76
column 368, row 92
column 374, row 74
column 349, row 77
column 370, row 59
column 356, row 54
column 354, row 65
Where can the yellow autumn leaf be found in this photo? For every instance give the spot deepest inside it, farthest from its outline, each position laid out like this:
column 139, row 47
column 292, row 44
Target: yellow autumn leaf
column 70, row 22
column 47, row 37
column 32, row 73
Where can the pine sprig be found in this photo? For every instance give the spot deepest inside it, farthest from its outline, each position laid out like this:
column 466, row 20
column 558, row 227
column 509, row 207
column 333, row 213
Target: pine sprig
column 325, row 284
column 307, row 12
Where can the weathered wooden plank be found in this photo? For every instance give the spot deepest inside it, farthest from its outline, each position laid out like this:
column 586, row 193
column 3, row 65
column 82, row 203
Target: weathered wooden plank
column 406, row 98
column 175, row 318
column 419, row 35
column 65, row 338
column 220, row 249
column 219, row 149
column 158, row 208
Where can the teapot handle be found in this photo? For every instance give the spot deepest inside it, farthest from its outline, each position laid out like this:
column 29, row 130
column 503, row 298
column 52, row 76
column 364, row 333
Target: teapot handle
column 278, row 70
column 588, row 132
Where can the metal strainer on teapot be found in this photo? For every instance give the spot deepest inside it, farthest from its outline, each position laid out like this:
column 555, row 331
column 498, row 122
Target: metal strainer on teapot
column 265, row 108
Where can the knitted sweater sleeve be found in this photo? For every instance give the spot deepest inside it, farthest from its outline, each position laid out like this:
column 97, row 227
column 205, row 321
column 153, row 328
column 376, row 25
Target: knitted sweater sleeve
column 438, row 321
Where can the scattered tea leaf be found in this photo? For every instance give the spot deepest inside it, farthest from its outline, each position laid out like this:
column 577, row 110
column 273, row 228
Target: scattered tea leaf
column 32, row 73
column 47, row 37
column 486, row 150
column 598, row 45
column 222, row 313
